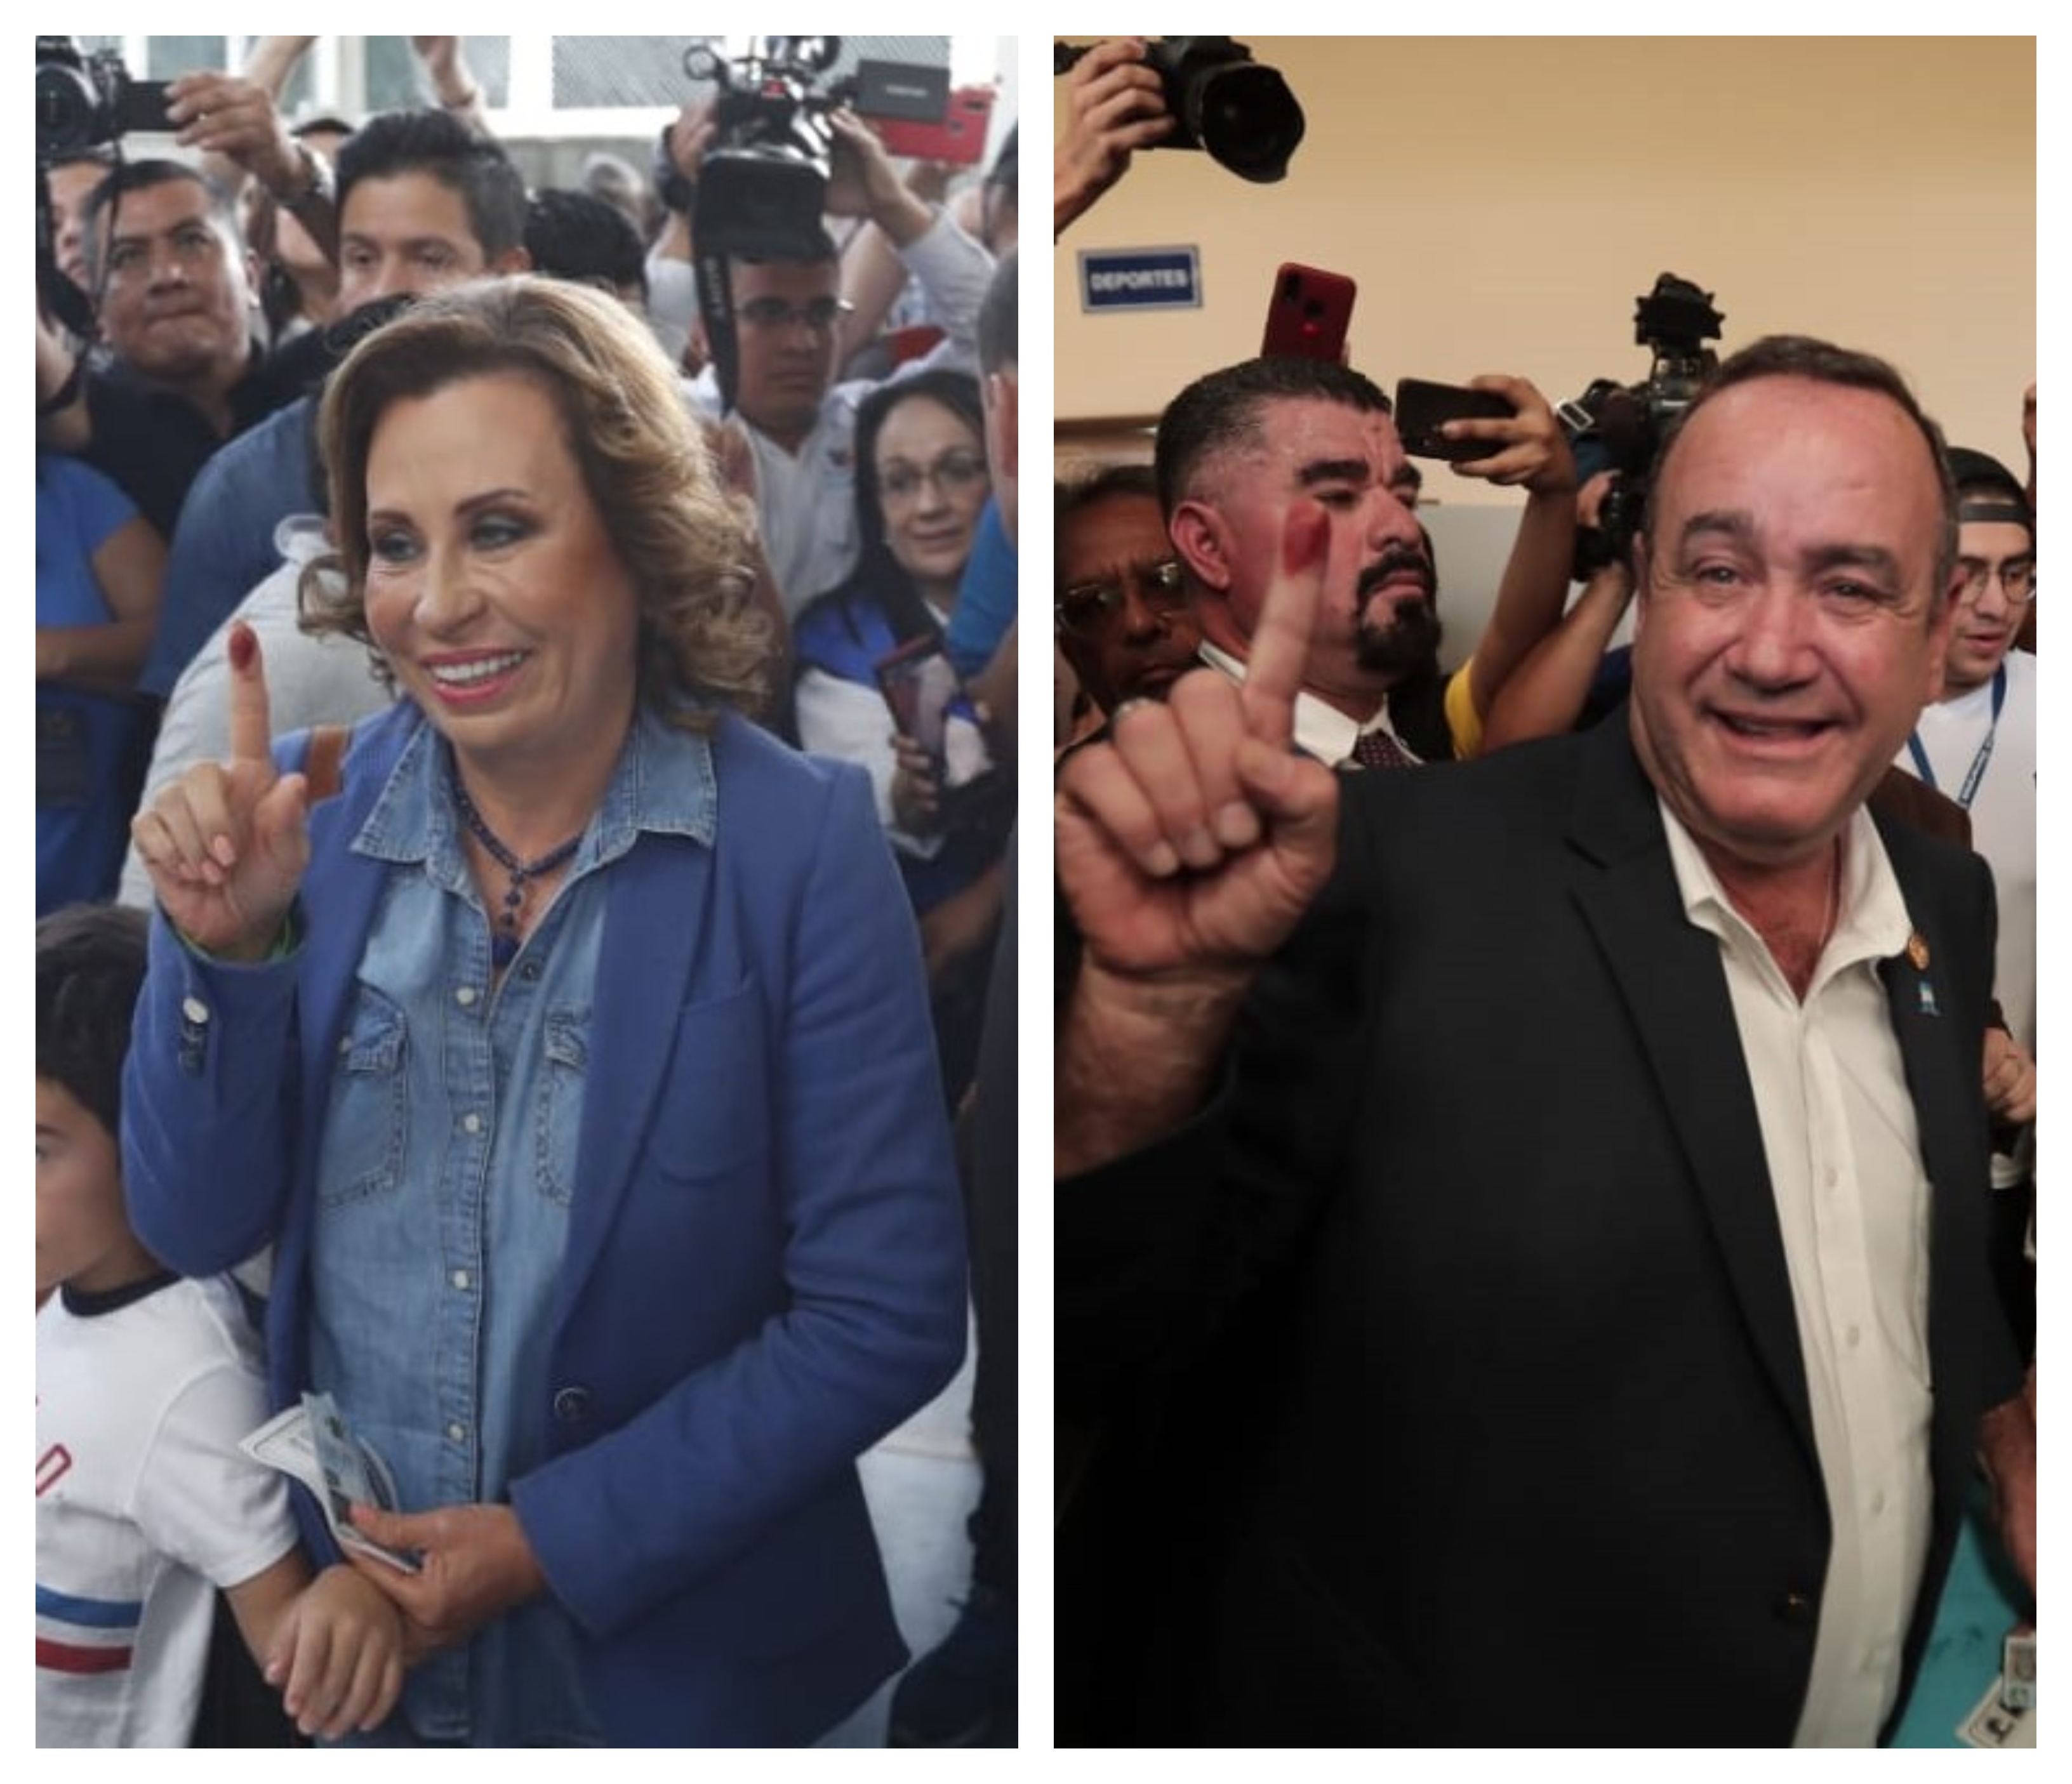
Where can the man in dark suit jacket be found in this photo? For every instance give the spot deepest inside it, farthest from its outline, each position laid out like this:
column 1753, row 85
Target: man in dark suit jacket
column 1594, row 1184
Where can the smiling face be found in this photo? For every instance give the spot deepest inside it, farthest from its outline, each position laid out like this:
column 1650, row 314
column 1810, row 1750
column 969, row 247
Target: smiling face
column 176, row 304
column 1378, row 618
column 932, row 483
column 492, row 587
column 1788, row 632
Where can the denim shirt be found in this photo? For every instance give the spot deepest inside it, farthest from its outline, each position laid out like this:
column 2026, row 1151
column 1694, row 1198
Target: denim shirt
column 446, row 1165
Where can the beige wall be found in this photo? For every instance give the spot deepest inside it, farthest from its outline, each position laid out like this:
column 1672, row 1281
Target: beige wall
column 1502, row 201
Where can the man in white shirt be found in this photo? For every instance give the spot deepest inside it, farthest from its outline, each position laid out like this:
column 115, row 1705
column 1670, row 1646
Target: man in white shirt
column 1579, row 1156
column 1235, row 443
column 1977, row 744
column 799, row 425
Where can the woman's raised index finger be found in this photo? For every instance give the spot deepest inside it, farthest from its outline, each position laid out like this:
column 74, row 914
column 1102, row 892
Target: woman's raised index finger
column 250, row 722
column 1287, row 619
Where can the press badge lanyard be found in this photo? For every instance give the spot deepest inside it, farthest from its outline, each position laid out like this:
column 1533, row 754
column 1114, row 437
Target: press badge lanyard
column 1984, row 754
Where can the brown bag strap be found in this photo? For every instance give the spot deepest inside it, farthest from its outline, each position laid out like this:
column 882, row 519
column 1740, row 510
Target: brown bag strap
column 323, row 765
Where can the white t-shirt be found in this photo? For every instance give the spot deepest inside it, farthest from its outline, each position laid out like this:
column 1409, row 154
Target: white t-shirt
column 144, row 1505
column 805, row 501
column 2003, row 813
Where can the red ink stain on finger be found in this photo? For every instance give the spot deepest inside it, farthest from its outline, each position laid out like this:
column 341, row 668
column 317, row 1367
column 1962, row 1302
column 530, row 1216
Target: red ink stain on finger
column 243, row 643
column 1304, row 537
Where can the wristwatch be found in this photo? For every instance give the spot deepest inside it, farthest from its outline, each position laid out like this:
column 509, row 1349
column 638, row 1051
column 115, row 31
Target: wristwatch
column 319, row 184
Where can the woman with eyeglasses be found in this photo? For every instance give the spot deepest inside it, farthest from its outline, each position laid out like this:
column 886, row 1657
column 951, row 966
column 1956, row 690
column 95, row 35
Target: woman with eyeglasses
column 572, row 1057
column 870, row 650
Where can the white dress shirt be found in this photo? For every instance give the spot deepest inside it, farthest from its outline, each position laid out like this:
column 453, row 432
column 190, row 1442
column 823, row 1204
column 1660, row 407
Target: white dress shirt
column 1845, row 1155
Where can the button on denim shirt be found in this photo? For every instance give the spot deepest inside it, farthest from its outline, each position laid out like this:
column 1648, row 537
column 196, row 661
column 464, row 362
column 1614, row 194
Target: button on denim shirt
column 448, row 1159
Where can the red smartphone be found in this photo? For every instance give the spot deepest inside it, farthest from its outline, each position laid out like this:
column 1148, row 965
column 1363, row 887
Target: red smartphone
column 1308, row 314
column 958, row 139
column 1421, row 406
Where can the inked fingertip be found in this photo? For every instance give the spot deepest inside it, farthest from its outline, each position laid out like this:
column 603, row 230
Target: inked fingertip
column 1305, row 535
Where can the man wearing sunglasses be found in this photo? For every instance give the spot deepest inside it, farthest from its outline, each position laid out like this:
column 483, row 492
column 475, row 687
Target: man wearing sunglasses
column 1125, row 625
column 1977, row 744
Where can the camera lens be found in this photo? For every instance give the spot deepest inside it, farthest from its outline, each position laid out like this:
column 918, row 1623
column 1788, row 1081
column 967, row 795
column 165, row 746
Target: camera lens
column 1246, row 117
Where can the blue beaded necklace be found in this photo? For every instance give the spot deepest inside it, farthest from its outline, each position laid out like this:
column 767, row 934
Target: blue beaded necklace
column 503, row 935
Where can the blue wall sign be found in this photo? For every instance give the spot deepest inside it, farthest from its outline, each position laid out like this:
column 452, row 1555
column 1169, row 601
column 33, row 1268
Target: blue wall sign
column 1140, row 279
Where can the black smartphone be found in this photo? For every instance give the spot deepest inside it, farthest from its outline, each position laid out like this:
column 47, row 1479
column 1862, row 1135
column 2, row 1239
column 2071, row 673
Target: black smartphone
column 1421, row 406
column 928, row 703
column 141, row 105
column 1308, row 314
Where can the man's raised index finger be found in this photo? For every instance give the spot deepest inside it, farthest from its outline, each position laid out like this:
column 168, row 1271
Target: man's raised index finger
column 250, row 722
column 1287, row 619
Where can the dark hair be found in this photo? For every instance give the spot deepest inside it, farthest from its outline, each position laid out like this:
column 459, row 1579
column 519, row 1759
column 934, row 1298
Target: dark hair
column 1221, row 411
column 1104, row 482
column 1821, row 362
column 958, row 393
column 782, row 244
column 1984, row 485
column 96, row 155
column 645, row 467
column 578, row 236
column 139, row 176
column 996, row 318
column 90, row 962
column 438, row 144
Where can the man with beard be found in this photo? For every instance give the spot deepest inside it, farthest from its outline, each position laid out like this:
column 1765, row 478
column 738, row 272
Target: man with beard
column 1235, row 447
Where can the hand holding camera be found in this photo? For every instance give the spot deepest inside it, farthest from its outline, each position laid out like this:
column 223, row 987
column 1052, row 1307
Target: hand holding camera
column 1115, row 105
column 863, row 182
column 227, row 115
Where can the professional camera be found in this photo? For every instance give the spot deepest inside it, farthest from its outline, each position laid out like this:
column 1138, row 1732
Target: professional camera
column 1240, row 111
column 84, row 101
column 763, row 184
column 1620, row 427
column 764, row 177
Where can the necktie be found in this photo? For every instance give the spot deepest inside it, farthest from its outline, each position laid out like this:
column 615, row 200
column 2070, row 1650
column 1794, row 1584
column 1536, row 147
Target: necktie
column 1376, row 749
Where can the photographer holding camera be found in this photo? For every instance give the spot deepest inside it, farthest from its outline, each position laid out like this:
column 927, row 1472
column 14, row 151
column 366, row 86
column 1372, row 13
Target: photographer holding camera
column 783, row 299
column 155, row 245
column 1115, row 105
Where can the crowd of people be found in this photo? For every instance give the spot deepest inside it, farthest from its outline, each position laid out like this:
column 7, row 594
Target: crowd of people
column 1545, row 1201
column 515, row 954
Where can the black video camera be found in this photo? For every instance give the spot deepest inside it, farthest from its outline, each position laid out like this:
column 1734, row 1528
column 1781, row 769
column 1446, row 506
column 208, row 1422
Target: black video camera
column 763, row 184
column 1240, row 111
column 765, row 176
column 1620, row 427
column 86, row 101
